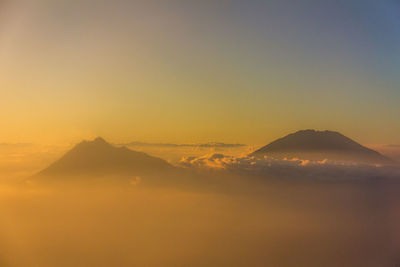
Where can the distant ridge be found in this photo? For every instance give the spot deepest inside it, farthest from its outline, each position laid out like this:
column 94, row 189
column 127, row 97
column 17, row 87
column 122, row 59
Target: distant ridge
column 204, row 145
column 319, row 145
column 99, row 158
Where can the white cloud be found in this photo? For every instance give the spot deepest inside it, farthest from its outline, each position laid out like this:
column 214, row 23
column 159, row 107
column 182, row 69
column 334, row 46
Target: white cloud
column 289, row 167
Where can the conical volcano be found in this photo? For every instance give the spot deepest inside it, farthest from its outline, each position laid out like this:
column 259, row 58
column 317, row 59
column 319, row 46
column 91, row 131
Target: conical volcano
column 319, row 145
column 99, row 158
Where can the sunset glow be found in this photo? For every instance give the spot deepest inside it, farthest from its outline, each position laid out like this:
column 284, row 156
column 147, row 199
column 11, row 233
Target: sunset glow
column 199, row 133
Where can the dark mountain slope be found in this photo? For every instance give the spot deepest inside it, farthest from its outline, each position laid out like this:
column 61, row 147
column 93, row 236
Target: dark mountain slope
column 319, row 145
column 99, row 158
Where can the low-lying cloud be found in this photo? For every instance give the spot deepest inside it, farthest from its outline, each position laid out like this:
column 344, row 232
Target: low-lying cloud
column 289, row 167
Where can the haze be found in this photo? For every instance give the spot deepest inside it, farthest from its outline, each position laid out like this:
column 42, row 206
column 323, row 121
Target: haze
column 199, row 133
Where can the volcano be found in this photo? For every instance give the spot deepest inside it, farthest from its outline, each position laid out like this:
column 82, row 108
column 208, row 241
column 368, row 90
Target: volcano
column 320, row 145
column 99, row 158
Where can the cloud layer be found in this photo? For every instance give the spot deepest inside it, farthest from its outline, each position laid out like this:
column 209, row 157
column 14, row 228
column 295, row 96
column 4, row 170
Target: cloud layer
column 289, row 168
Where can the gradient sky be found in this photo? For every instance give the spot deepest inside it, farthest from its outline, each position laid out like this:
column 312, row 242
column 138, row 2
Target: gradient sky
column 198, row 71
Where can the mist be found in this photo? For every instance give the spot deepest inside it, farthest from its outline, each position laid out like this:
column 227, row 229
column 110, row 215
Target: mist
column 199, row 133
column 239, row 220
column 211, row 210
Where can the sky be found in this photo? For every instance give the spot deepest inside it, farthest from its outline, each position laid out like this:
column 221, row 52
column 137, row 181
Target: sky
column 198, row 71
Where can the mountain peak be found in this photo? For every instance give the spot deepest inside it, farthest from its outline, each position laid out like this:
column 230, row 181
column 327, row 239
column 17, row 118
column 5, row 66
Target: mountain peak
column 97, row 143
column 99, row 140
column 99, row 158
column 312, row 144
column 313, row 132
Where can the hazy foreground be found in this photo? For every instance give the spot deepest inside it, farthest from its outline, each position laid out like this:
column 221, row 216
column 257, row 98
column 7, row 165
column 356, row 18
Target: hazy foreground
column 218, row 210
column 270, row 224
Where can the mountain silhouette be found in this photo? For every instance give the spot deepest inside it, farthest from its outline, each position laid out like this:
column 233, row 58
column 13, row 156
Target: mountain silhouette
column 99, row 158
column 319, row 145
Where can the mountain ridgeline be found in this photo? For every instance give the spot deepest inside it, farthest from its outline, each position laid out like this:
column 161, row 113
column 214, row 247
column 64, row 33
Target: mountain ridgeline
column 320, row 145
column 99, row 158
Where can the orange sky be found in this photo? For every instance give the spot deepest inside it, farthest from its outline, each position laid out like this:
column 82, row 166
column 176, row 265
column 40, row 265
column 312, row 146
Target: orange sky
column 194, row 72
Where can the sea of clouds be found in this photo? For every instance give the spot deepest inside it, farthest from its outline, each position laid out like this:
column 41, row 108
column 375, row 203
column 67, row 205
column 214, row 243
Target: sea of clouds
column 290, row 167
